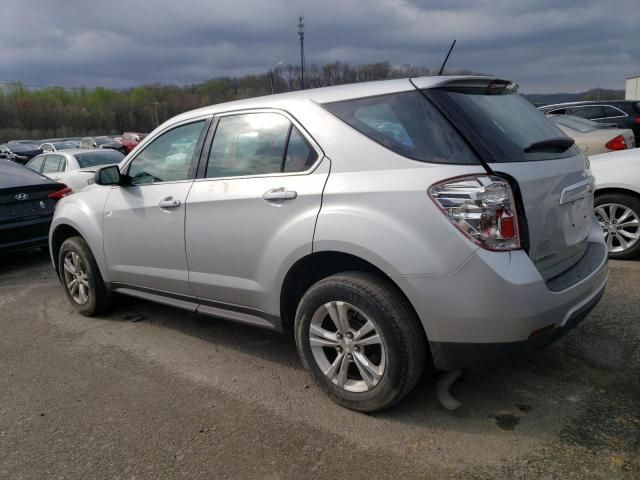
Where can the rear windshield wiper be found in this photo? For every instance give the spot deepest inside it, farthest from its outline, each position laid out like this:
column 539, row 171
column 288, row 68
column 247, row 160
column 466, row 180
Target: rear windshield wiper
column 551, row 145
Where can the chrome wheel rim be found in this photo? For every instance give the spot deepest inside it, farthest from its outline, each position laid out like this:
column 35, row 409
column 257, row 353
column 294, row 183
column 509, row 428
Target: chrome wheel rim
column 347, row 346
column 620, row 224
column 76, row 278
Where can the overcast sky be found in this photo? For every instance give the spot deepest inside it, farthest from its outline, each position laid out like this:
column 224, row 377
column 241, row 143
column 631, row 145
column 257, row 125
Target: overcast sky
column 546, row 45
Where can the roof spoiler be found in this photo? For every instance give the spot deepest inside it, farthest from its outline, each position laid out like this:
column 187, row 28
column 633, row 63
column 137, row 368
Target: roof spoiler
column 466, row 82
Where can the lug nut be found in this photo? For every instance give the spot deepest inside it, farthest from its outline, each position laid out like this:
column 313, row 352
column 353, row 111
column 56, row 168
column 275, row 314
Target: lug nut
column 339, row 349
column 356, row 348
column 349, row 356
column 339, row 336
column 349, row 335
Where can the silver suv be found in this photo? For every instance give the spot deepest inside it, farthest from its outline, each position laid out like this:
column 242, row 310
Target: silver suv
column 390, row 225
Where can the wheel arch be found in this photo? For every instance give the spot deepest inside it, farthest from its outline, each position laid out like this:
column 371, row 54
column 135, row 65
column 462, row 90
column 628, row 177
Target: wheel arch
column 318, row 265
column 58, row 235
column 618, row 190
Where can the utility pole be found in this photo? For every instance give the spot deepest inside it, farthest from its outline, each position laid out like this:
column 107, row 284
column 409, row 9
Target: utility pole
column 301, row 35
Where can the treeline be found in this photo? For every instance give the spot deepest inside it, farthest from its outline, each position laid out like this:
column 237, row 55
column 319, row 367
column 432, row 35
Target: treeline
column 58, row 112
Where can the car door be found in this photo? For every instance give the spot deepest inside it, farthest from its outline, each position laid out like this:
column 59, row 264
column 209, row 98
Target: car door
column 54, row 166
column 253, row 213
column 144, row 221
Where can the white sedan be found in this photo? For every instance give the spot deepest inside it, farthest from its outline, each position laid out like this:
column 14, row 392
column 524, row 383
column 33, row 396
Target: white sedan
column 74, row 168
column 617, row 201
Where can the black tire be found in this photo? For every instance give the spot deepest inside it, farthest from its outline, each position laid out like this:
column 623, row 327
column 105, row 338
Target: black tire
column 631, row 202
column 402, row 335
column 99, row 297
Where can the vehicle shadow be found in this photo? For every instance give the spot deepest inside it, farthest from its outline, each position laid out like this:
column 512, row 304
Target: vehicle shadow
column 263, row 343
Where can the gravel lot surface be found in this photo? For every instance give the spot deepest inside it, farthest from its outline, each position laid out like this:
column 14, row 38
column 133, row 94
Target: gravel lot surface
column 153, row 392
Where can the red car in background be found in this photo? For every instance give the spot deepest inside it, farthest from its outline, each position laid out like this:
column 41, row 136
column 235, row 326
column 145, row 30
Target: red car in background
column 131, row 139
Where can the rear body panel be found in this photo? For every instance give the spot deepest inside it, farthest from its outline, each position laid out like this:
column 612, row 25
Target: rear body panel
column 558, row 206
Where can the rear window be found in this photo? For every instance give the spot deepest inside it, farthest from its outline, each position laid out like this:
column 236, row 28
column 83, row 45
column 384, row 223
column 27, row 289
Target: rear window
column 94, row 159
column 502, row 121
column 407, row 124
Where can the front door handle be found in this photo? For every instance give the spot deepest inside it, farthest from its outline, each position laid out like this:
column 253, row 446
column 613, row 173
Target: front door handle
column 281, row 193
column 169, row 202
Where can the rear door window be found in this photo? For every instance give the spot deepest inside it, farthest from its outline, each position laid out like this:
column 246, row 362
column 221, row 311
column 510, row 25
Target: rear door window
column 258, row 144
column 53, row 164
column 408, row 124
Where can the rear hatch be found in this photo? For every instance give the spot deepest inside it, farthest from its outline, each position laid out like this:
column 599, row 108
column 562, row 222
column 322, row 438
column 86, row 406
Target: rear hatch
column 549, row 173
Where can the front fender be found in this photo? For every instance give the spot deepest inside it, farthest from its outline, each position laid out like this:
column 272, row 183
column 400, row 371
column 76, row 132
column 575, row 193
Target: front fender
column 83, row 212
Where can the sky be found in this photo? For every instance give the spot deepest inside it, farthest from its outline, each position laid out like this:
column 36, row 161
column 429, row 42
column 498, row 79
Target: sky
column 546, row 46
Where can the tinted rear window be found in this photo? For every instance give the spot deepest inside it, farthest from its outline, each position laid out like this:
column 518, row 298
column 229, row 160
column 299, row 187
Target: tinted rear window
column 408, row 124
column 94, row 159
column 503, row 121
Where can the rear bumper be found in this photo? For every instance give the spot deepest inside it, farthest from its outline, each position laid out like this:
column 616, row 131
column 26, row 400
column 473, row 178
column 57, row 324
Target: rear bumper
column 496, row 305
column 453, row 356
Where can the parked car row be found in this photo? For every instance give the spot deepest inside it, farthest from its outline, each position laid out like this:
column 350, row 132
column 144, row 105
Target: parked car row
column 21, row 151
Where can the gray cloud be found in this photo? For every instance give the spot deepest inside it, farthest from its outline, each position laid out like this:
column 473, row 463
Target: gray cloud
column 561, row 45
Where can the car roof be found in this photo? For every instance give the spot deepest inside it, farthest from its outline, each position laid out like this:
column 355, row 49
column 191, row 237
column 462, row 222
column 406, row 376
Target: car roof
column 333, row 94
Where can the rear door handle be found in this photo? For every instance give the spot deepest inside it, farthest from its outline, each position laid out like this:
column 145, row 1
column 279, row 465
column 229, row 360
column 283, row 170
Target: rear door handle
column 169, row 202
column 279, row 194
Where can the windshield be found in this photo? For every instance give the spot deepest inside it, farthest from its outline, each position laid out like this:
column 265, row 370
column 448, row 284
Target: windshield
column 578, row 124
column 504, row 121
column 97, row 158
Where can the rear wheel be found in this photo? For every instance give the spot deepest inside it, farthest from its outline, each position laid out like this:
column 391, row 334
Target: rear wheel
column 81, row 278
column 619, row 216
column 360, row 340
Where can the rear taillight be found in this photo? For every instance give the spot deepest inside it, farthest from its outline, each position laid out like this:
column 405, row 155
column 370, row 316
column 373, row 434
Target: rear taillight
column 482, row 207
column 637, row 120
column 58, row 194
column 616, row 143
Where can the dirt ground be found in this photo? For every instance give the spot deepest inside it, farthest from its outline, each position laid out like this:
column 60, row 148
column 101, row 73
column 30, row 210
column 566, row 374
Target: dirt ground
column 153, row 392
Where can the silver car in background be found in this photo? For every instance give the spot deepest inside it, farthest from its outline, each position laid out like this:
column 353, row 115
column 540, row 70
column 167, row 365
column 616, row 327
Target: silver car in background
column 388, row 225
column 75, row 168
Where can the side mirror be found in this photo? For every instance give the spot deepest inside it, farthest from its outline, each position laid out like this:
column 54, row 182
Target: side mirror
column 109, row 175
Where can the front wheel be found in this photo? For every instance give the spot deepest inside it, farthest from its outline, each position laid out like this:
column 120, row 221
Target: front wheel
column 360, row 340
column 81, row 278
column 619, row 217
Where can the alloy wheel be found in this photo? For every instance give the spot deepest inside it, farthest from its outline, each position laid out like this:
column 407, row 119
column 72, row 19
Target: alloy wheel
column 347, row 346
column 620, row 224
column 76, row 278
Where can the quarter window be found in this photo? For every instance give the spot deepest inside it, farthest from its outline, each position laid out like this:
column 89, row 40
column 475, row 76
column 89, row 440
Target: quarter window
column 168, row 158
column 257, row 144
column 405, row 123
